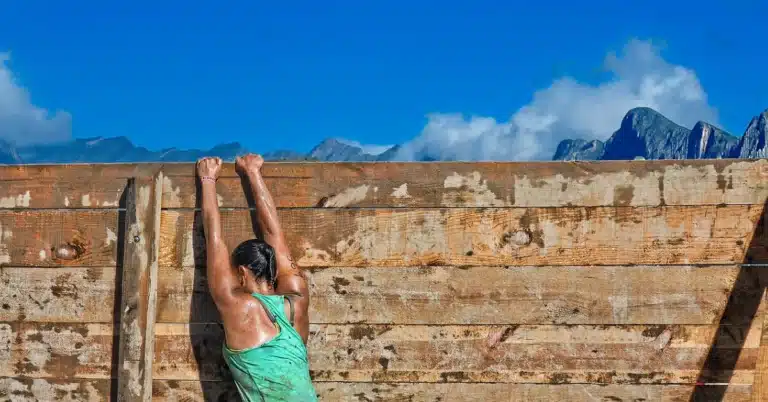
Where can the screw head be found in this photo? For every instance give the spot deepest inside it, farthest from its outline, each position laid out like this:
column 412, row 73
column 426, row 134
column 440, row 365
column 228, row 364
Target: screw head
column 136, row 239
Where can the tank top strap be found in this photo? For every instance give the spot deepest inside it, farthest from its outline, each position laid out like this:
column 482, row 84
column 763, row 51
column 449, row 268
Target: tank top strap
column 267, row 307
column 274, row 306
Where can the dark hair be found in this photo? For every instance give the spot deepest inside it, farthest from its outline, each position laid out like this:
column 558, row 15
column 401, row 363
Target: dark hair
column 259, row 257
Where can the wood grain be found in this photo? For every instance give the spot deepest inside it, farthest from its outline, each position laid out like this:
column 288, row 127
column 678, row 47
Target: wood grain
column 139, row 289
column 78, row 171
column 62, row 192
column 32, row 238
column 495, row 184
column 516, row 354
column 193, row 391
column 61, row 390
column 45, row 350
column 437, row 184
column 760, row 389
column 405, row 392
column 489, row 295
column 558, row 236
column 57, row 294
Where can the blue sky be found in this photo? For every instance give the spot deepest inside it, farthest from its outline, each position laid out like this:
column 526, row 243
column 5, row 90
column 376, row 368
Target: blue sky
column 193, row 74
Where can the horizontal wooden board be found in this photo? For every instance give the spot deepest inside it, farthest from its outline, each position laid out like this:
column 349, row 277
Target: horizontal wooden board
column 57, row 294
column 193, row 391
column 76, row 171
column 38, row 238
column 490, row 295
column 434, row 184
column 61, row 192
column 509, row 354
column 495, row 236
column 60, row 390
column 405, row 392
column 45, row 350
column 496, row 184
column 126, row 170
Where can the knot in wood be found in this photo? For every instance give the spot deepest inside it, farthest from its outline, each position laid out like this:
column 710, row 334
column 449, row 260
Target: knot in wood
column 65, row 252
column 521, row 238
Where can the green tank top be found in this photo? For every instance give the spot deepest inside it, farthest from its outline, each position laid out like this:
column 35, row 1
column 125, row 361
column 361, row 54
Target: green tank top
column 277, row 370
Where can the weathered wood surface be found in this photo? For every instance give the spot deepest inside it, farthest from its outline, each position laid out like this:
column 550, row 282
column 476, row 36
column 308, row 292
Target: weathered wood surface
column 517, row 354
column 82, row 171
column 139, row 289
column 60, row 390
column 525, row 354
column 404, row 392
column 46, row 350
column 399, row 328
column 494, row 184
column 50, row 238
column 193, row 391
column 61, row 193
column 439, row 184
column 458, row 236
column 353, row 169
column 489, row 295
column 57, row 294
column 760, row 388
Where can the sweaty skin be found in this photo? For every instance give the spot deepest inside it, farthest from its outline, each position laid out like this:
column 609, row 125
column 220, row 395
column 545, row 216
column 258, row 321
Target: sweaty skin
column 250, row 336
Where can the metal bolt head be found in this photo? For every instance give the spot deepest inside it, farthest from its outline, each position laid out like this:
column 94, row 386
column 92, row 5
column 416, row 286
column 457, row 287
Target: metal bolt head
column 136, row 239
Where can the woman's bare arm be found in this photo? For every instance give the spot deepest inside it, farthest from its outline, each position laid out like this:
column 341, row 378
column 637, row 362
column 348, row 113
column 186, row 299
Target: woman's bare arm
column 221, row 276
column 289, row 276
column 290, row 279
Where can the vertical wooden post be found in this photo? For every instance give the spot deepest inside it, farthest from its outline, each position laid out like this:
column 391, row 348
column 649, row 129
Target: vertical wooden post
column 139, row 288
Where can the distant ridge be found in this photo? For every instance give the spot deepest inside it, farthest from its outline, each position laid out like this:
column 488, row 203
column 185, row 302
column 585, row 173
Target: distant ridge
column 642, row 133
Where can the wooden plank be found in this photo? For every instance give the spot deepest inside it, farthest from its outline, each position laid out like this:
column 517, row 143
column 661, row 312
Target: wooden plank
column 51, row 238
column 444, row 184
column 139, row 289
column 129, row 170
column 45, row 350
column 489, row 295
column 516, row 392
column 496, row 184
column 79, row 171
column 62, row 192
column 57, row 294
column 194, row 391
column 60, row 390
column 470, row 353
column 494, row 236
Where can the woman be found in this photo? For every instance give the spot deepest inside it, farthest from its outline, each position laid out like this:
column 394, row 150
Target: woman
column 261, row 295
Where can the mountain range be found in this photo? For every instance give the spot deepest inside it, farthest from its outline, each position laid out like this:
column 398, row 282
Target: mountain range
column 643, row 133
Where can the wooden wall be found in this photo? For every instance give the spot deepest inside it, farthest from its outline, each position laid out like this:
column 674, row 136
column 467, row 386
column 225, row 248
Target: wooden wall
column 616, row 281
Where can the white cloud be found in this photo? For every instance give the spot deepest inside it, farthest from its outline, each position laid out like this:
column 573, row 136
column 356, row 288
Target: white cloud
column 369, row 149
column 569, row 109
column 23, row 123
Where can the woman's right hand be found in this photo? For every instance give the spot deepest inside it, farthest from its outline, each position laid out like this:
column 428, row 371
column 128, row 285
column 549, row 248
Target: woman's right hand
column 209, row 167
